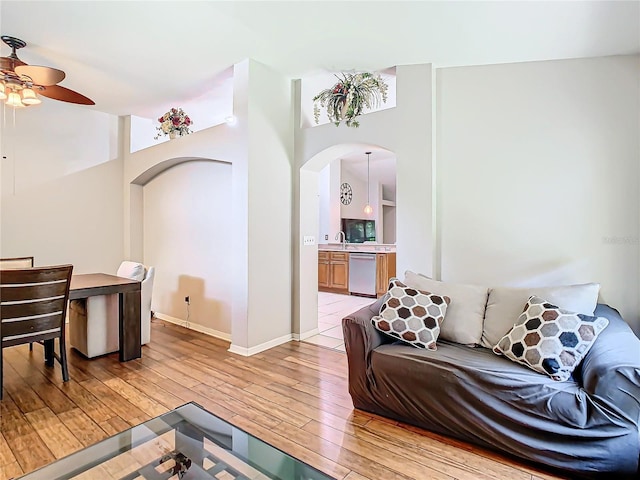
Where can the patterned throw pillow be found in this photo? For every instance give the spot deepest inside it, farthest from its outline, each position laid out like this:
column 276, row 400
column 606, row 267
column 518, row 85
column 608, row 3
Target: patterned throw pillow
column 411, row 315
column 549, row 339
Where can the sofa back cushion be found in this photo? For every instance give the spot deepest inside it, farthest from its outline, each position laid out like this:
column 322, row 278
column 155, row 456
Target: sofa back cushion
column 505, row 305
column 463, row 323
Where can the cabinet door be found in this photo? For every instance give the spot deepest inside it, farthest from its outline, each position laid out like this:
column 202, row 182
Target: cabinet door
column 339, row 257
column 323, row 273
column 382, row 281
column 339, row 275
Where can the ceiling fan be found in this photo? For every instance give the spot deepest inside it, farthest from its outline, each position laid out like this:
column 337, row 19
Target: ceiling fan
column 20, row 83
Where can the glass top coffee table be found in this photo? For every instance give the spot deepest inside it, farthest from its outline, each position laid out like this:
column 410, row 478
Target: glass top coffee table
column 187, row 443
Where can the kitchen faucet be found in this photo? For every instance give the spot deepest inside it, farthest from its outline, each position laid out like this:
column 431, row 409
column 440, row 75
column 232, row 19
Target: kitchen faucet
column 343, row 241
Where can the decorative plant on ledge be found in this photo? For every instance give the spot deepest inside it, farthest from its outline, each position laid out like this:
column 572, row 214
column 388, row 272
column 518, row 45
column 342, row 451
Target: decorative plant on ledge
column 173, row 123
column 346, row 99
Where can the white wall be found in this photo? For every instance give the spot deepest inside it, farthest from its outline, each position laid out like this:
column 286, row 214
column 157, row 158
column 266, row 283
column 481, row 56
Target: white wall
column 389, row 229
column 223, row 143
column 259, row 147
column 210, row 108
column 270, row 159
column 538, row 167
column 324, row 202
column 329, row 181
column 61, row 187
column 405, row 130
column 359, row 200
column 188, row 236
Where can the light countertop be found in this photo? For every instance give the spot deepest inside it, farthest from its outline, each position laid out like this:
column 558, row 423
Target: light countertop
column 358, row 247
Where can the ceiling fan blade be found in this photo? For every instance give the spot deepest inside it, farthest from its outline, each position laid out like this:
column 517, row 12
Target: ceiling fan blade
column 8, row 63
column 64, row 94
column 41, row 75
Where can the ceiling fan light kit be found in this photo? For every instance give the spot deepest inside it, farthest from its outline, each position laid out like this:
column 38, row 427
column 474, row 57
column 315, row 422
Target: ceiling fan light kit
column 20, row 84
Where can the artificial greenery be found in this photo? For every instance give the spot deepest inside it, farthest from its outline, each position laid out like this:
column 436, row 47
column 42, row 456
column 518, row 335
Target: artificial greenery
column 347, row 98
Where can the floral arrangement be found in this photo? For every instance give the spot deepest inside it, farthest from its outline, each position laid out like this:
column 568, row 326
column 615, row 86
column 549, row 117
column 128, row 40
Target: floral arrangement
column 174, row 122
column 347, row 98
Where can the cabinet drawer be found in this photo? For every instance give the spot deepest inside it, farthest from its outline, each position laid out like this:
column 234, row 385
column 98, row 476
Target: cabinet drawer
column 339, row 256
column 323, row 255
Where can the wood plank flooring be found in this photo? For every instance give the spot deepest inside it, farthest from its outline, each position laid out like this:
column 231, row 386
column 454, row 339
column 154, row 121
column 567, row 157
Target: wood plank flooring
column 293, row 396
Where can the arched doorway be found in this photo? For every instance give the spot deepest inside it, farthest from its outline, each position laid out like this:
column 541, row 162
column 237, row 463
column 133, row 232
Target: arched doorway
column 307, row 280
column 184, row 222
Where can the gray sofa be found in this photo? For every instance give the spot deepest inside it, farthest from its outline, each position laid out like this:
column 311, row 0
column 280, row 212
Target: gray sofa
column 587, row 424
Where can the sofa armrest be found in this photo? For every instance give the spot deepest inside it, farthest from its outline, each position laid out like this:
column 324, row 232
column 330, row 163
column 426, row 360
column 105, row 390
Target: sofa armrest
column 611, row 368
column 360, row 339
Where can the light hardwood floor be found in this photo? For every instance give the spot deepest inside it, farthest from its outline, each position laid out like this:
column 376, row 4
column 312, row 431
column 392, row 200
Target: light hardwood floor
column 293, row 396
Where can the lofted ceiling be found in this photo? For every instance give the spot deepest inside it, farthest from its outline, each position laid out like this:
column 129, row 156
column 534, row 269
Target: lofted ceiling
column 132, row 56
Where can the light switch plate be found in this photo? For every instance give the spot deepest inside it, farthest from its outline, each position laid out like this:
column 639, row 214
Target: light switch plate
column 309, row 240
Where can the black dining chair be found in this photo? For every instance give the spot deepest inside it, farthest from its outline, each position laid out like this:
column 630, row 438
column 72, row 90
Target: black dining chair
column 33, row 307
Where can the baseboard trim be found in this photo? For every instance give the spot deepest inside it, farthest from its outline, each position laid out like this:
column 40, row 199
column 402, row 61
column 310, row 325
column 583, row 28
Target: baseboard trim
column 298, row 337
column 247, row 352
column 194, row 326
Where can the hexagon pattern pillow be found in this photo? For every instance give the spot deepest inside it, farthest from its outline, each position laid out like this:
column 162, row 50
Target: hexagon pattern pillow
column 549, row 339
column 411, row 315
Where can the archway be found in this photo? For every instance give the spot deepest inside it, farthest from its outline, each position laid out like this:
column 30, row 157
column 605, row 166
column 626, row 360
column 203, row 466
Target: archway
column 307, row 280
column 182, row 222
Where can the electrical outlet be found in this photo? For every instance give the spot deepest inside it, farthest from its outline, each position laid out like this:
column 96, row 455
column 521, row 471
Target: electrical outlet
column 309, row 240
column 326, row 237
column 187, row 300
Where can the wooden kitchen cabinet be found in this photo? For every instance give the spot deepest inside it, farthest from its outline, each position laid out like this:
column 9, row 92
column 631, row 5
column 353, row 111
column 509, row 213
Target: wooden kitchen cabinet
column 323, row 270
column 333, row 271
column 385, row 270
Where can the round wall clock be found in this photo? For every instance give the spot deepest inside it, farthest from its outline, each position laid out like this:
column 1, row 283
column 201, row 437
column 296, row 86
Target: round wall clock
column 346, row 194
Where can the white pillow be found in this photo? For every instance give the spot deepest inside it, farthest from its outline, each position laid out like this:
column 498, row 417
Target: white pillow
column 506, row 303
column 465, row 313
column 132, row 270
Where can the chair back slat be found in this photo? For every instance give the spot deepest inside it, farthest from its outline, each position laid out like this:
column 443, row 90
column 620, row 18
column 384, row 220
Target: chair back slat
column 49, row 326
column 34, row 275
column 33, row 303
column 13, row 312
column 16, row 262
column 32, row 338
column 18, row 292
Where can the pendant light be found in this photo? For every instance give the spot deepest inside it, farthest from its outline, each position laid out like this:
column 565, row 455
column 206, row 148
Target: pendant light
column 368, row 210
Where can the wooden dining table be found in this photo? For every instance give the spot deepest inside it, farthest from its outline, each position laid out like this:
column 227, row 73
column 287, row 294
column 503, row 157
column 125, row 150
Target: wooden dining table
column 129, row 317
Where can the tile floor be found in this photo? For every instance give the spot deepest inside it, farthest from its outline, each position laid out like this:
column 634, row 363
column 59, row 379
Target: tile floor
column 332, row 307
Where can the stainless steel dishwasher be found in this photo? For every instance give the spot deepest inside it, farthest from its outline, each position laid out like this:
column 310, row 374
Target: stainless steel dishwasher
column 362, row 273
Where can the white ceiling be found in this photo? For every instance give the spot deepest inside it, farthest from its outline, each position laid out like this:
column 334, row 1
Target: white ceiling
column 131, row 57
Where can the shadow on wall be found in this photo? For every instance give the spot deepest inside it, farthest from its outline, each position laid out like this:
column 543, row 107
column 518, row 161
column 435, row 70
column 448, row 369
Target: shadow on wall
column 200, row 310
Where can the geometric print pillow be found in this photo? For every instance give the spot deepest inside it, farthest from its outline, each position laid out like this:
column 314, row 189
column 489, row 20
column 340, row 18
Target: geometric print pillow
column 549, row 339
column 411, row 315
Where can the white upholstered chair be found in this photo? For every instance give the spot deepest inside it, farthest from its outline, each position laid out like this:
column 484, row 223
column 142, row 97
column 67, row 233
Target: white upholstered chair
column 16, row 263
column 93, row 322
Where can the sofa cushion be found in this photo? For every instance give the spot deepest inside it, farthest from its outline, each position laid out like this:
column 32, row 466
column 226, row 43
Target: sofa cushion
column 465, row 314
column 505, row 305
column 411, row 315
column 549, row 339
